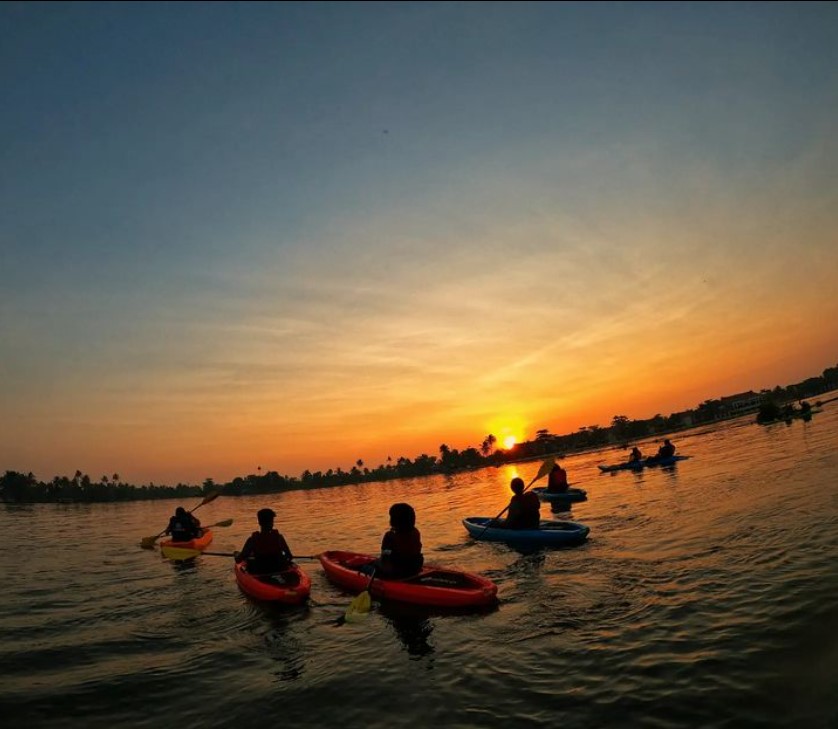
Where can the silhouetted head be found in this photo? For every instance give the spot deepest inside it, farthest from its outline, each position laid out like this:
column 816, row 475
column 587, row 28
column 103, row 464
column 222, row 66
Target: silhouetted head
column 265, row 517
column 666, row 442
column 402, row 517
column 180, row 511
column 517, row 485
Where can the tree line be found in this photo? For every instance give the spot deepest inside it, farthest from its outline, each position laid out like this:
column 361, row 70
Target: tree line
column 25, row 488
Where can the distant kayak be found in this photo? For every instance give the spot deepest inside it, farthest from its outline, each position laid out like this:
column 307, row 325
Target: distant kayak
column 571, row 496
column 644, row 463
column 802, row 415
column 290, row 587
column 199, row 543
column 552, row 533
column 433, row 586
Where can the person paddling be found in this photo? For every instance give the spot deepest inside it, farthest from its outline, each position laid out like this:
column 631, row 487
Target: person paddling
column 183, row 526
column 401, row 546
column 635, row 456
column 667, row 450
column 524, row 508
column 265, row 551
column 557, row 480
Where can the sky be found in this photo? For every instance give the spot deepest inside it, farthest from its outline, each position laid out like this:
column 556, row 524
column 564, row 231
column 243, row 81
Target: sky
column 289, row 236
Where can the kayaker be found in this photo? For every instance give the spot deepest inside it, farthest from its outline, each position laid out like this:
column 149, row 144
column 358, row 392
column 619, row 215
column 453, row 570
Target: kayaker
column 557, row 480
column 667, row 450
column 524, row 508
column 266, row 550
column 635, row 456
column 401, row 547
column 183, row 526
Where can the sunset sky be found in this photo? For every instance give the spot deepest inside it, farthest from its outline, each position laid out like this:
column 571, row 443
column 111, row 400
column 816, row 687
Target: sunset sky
column 295, row 235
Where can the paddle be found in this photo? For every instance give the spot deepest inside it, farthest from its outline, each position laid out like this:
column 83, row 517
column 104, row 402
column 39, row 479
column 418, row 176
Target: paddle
column 181, row 553
column 360, row 606
column 546, row 467
column 148, row 542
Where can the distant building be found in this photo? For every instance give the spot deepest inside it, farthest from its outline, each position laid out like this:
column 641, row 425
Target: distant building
column 741, row 404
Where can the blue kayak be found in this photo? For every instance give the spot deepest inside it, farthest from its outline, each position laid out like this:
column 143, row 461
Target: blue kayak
column 553, row 533
column 571, row 496
column 644, row 463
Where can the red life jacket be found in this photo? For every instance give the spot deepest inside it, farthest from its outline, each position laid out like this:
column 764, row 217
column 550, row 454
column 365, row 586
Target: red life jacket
column 401, row 553
column 402, row 544
column 557, row 480
column 271, row 544
column 524, row 511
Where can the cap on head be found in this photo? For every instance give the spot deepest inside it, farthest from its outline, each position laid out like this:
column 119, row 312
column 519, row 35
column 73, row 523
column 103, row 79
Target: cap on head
column 180, row 511
column 265, row 517
column 517, row 485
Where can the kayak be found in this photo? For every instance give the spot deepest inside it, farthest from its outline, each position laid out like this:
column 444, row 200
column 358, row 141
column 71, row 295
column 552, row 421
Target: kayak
column 644, row 463
column 199, row 543
column 290, row 587
column 433, row 586
column 552, row 533
column 571, row 496
column 802, row 415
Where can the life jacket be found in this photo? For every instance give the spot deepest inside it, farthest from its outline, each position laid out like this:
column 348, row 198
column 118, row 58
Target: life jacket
column 180, row 529
column 271, row 544
column 557, row 480
column 401, row 553
column 524, row 511
column 403, row 544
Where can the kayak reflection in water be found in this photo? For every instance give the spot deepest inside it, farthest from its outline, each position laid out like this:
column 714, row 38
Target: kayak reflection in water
column 524, row 509
column 266, row 550
column 401, row 547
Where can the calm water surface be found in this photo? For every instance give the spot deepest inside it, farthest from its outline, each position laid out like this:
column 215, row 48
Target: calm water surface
column 706, row 596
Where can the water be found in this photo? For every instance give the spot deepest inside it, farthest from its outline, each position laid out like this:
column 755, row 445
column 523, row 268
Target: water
column 705, row 597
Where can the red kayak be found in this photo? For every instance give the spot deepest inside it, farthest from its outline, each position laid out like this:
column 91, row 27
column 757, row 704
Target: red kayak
column 199, row 543
column 290, row 587
column 433, row 586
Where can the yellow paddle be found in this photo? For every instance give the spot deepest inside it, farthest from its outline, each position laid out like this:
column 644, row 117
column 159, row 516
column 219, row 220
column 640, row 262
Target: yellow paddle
column 546, row 467
column 148, row 542
column 360, row 606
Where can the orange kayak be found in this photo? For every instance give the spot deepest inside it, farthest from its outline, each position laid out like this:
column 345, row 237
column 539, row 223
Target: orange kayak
column 199, row 543
column 290, row 587
column 433, row 586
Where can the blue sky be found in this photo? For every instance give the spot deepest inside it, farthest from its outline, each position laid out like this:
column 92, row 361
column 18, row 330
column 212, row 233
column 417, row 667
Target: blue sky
column 297, row 234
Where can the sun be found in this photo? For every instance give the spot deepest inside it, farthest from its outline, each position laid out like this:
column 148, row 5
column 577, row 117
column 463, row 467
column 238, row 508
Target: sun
column 509, row 441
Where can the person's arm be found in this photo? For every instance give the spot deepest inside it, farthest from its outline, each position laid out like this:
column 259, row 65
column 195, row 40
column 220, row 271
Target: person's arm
column 387, row 545
column 246, row 551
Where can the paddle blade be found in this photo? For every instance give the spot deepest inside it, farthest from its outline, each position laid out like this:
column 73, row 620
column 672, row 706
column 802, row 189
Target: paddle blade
column 148, row 542
column 225, row 523
column 546, row 467
column 359, row 608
